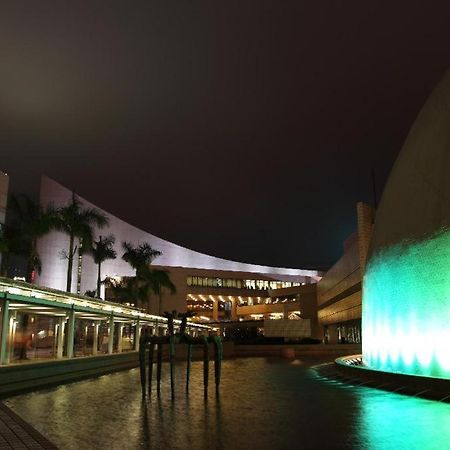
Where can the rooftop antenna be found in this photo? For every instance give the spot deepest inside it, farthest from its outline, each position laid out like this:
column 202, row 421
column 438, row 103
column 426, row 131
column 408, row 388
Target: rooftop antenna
column 374, row 190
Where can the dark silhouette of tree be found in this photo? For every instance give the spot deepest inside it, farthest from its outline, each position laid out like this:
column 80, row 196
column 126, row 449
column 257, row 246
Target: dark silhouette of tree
column 126, row 290
column 140, row 256
column 101, row 250
column 31, row 221
column 144, row 283
column 5, row 250
column 159, row 280
column 78, row 222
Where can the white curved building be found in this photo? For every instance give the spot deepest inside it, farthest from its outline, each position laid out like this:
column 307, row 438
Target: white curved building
column 188, row 268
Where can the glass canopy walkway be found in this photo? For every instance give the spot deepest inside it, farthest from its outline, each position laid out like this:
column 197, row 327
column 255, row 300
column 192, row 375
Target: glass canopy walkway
column 39, row 324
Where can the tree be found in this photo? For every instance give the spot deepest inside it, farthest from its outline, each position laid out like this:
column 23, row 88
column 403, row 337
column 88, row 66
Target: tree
column 32, row 221
column 159, row 280
column 140, row 256
column 91, row 294
column 78, row 223
column 101, row 250
column 5, row 249
column 127, row 290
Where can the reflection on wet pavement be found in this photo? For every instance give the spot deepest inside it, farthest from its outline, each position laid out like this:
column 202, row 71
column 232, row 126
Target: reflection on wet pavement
column 264, row 404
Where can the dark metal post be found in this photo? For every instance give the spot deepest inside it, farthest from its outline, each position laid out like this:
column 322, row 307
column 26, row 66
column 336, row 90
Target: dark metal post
column 218, row 352
column 158, row 368
column 150, row 367
column 374, row 189
column 172, row 364
column 188, row 368
column 205, row 364
column 142, row 363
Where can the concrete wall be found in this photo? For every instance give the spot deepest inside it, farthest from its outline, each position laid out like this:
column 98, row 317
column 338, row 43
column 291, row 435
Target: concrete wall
column 341, row 277
column 297, row 350
column 294, row 329
column 339, row 292
column 18, row 378
column 349, row 308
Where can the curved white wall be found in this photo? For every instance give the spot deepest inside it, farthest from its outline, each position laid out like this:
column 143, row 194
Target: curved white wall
column 54, row 268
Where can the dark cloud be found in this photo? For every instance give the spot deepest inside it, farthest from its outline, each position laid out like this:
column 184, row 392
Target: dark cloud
column 246, row 130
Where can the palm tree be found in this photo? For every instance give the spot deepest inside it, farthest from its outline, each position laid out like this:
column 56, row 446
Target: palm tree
column 78, row 223
column 32, row 222
column 5, row 247
column 101, row 250
column 127, row 289
column 159, row 280
column 140, row 256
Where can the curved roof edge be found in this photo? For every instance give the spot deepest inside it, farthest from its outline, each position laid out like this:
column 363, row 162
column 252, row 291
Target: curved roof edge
column 416, row 199
column 173, row 255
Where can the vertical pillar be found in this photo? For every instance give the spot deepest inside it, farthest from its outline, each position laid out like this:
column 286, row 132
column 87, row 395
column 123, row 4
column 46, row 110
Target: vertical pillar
column 111, row 334
column 215, row 310
column 4, row 333
column 119, row 338
column 60, row 337
column 233, row 309
column 285, row 312
column 12, row 337
column 137, row 335
column 71, row 333
column 95, row 339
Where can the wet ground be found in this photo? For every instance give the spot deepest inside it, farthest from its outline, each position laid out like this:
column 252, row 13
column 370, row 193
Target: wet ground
column 263, row 404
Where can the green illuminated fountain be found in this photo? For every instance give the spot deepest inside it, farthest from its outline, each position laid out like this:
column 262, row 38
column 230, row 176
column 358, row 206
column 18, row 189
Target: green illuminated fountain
column 406, row 290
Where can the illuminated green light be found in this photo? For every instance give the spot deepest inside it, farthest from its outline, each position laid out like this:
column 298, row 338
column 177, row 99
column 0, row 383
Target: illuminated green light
column 389, row 421
column 406, row 308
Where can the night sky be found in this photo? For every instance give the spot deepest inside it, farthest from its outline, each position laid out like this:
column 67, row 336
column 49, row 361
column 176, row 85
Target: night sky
column 242, row 129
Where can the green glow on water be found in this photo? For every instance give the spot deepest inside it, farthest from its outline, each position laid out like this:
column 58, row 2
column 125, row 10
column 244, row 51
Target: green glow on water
column 389, row 421
column 406, row 308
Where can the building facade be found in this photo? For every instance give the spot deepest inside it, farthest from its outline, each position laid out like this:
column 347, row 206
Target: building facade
column 214, row 288
column 339, row 292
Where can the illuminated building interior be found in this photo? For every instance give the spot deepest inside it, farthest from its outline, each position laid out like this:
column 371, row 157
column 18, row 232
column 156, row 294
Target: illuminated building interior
column 225, row 298
column 241, row 307
column 240, row 284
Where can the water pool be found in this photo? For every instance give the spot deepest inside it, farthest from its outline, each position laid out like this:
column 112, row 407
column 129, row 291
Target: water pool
column 264, row 404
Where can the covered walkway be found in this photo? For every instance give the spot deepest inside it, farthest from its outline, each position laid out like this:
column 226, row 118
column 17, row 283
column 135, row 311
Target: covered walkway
column 40, row 323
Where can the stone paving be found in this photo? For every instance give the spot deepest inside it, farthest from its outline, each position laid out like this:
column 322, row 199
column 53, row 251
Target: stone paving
column 15, row 433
